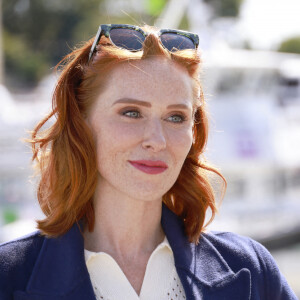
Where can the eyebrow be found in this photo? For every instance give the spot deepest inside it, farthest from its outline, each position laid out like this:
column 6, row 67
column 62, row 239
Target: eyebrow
column 148, row 104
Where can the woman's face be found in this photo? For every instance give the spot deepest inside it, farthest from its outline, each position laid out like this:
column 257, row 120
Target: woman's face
column 142, row 126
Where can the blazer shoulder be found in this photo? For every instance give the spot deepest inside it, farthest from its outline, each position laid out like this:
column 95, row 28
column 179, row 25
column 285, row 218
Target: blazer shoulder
column 240, row 249
column 231, row 240
column 16, row 252
column 243, row 252
column 21, row 243
column 17, row 258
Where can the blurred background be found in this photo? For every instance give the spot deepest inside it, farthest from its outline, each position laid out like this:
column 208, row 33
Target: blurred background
column 251, row 79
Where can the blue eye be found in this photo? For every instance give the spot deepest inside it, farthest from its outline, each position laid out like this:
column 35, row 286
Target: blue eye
column 132, row 114
column 177, row 119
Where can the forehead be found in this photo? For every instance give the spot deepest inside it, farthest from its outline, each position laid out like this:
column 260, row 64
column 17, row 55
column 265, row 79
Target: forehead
column 159, row 74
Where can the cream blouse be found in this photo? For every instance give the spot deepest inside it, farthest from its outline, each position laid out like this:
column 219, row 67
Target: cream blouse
column 161, row 280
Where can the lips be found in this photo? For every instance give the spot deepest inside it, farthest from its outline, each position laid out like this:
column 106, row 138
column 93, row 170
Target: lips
column 149, row 166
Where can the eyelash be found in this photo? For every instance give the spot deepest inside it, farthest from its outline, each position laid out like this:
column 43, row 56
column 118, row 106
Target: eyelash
column 123, row 113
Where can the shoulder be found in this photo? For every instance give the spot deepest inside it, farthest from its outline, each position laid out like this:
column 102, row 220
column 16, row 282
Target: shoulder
column 237, row 250
column 17, row 259
column 16, row 251
column 234, row 243
column 240, row 252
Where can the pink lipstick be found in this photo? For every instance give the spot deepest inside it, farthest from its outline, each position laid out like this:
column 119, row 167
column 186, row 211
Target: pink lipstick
column 149, row 166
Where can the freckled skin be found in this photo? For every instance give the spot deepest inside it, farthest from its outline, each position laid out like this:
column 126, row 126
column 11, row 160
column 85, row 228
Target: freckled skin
column 151, row 136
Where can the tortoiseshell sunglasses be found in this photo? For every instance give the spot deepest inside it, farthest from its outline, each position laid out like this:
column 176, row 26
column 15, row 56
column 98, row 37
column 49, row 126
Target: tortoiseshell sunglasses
column 131, row 37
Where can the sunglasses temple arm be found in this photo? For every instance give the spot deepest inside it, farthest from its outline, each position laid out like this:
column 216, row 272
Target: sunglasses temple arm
column 95, row 43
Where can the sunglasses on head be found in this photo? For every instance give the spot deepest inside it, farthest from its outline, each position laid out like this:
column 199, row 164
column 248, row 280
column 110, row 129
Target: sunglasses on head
column 132, row 37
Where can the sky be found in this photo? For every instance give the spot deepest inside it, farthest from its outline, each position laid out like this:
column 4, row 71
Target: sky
column 267, row 22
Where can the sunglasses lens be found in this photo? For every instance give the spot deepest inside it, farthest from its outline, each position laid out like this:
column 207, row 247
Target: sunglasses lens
column 129, row 39
column 174, row 41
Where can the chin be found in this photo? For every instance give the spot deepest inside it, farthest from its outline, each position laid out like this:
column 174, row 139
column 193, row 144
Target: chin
column 149, row 195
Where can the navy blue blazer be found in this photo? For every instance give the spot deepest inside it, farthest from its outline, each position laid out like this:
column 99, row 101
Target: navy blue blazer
column 222, row 266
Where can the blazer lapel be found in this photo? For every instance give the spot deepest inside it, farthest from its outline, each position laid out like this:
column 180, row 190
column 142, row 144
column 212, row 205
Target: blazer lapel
column 60, row 271
column 202, row 270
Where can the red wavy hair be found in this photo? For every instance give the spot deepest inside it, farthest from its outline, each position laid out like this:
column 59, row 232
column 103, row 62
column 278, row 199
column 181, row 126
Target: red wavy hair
column 65, row 152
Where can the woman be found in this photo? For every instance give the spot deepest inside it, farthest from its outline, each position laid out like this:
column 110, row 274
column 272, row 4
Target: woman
column 125, row 188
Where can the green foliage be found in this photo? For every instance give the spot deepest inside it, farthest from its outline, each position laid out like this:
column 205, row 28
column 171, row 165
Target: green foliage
column 9, row 215
column 291, row 45
column 225, row 8
column 29, row 65
column 155, row 7
column 38, row 33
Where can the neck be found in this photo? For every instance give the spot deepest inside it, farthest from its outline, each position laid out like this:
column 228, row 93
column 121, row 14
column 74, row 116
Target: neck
column 125, row 227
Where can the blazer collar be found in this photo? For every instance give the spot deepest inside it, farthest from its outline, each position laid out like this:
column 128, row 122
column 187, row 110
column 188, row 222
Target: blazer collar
column 194, row 258
column 60, row 270
column 202, row 269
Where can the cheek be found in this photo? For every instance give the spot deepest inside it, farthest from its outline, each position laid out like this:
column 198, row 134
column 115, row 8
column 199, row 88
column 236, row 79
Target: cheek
column 181, row 142
column 125, row 134
column 116, row 137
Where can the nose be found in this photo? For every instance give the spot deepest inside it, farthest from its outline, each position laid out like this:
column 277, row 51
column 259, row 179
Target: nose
column 154, row 136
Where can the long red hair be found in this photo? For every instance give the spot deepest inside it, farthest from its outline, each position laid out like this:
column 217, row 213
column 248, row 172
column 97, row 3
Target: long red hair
column 65, row 152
